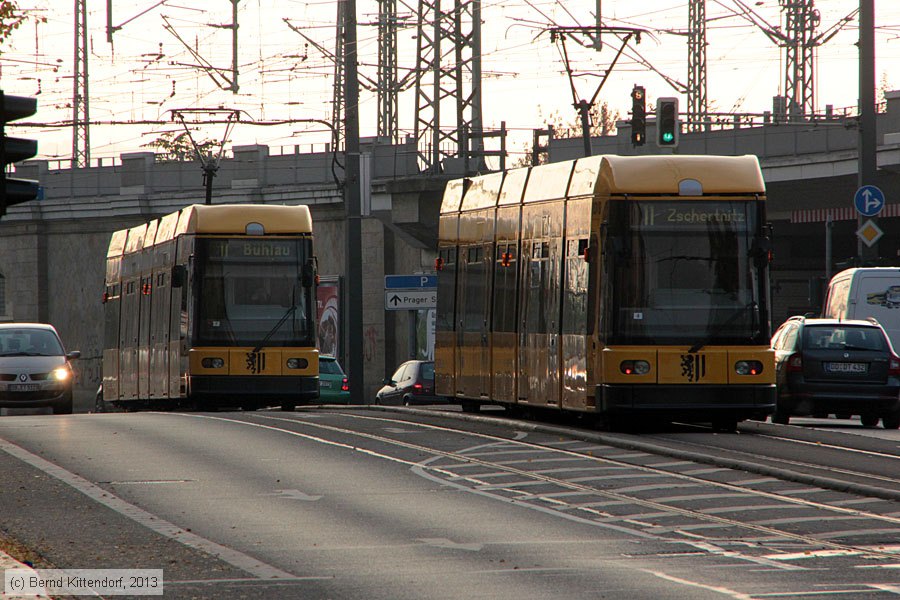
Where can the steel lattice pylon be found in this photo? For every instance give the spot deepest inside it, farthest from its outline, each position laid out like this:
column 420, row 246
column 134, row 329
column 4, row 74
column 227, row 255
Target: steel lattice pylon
column 801, row 21
column 698, row 105
column 388, row 87
column 81, row 140
column 448, row 72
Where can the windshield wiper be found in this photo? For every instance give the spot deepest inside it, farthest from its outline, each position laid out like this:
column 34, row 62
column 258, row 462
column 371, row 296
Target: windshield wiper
column 696, row 347
column 275, row 327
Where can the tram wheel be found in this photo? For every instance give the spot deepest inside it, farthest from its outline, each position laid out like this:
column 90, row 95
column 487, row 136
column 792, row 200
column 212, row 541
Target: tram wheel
column 470, row 407
column 781, row 418
column 869, row 420
column 891, row 421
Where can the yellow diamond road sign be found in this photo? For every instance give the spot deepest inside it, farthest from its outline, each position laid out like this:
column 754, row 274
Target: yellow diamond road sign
column 869, row 233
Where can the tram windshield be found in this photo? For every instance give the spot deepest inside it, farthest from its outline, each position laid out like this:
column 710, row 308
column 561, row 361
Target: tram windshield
column 246, row 286
column 684, row 272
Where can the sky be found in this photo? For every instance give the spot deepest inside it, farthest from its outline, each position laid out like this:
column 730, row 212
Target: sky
column 146, row 72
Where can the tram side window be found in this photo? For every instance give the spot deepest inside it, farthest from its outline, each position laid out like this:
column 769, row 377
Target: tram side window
column 505, row 288
column 536, row 313
column 576, row 281
column 475, row 289
column 446, row 290
column 111, row 321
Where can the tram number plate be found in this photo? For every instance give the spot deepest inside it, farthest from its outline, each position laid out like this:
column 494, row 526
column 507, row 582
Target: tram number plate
column 24, row 387
column 842, row 367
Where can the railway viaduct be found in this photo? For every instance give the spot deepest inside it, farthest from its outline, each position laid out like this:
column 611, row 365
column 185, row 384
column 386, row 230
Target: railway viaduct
column 52, row 250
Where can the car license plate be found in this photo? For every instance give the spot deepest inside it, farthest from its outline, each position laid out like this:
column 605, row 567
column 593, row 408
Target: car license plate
column 842, row 367
column 24, row 387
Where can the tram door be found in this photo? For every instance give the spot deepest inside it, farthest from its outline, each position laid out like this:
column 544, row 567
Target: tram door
column 538, row 355
column 474, row 376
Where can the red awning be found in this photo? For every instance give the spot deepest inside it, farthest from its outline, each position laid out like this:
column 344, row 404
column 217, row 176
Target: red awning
column 821, row 215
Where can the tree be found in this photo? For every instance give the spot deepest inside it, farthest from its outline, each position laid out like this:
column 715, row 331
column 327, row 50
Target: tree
column 603, row 122
column 178, row 147
column 10, row 19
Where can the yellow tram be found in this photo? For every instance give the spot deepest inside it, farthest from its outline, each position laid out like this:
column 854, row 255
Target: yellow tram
column 624, row 286
column 212, row 305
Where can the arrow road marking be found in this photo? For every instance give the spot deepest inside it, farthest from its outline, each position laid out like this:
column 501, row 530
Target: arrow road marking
column 450, row 545
column 295, row 495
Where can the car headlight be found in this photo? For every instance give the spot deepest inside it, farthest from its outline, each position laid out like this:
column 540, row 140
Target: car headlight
column 297, row 363
column 61, row 374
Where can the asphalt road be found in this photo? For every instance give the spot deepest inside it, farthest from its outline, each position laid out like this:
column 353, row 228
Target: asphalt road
column 318, row 504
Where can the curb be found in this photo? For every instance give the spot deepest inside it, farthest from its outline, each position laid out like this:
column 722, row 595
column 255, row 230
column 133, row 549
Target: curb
column 8, row 562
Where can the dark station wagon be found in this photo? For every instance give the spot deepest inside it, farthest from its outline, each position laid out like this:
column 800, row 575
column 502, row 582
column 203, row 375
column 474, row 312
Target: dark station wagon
column 841, row 367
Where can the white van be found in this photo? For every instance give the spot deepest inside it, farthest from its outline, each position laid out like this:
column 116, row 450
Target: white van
column 867, row 292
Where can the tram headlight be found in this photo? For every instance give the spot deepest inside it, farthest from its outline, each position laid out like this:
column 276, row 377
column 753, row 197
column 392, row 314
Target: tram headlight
column 297, row 363
column 748, row 367
column 212, row 363
column 635, row 367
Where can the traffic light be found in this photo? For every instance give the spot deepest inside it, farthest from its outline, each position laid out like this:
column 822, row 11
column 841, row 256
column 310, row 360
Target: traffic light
column 13, row 150
column 667, row 122
column 638, row 116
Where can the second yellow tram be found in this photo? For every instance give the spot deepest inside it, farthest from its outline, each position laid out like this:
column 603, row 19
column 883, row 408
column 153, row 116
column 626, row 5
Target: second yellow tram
column 212, row 306
column 623, row 286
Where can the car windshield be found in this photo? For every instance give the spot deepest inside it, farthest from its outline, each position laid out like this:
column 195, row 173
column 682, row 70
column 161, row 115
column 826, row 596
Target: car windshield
column 29, row 342
column 838, row 337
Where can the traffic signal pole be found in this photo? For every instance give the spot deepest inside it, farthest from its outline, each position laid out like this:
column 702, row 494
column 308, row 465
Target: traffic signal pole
column 353, row 202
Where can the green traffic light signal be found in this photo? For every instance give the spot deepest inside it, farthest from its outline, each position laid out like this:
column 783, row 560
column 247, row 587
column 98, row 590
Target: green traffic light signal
column 667, row 124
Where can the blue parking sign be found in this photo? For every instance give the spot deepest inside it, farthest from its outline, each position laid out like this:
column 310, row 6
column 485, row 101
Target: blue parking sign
column 869, row 200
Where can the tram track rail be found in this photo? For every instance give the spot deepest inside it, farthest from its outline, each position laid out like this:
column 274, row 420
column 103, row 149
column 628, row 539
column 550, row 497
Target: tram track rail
column 560, row 487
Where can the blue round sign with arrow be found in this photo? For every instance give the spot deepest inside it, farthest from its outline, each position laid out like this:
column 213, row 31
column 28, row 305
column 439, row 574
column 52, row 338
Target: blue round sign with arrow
column 869, row 200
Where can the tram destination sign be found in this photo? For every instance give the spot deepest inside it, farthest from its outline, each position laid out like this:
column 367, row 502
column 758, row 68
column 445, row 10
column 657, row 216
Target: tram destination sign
column 410, row 299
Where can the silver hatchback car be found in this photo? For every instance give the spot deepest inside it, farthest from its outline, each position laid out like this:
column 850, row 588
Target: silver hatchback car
column 35, row 369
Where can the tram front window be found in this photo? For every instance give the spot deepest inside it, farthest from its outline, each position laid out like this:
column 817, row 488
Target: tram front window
column 246, row 288
column 684, row 270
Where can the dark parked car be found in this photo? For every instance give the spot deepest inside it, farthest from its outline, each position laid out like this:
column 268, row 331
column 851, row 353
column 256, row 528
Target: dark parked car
column 34, row 368
column 411, row 383
column 334, row 387
column 830, row 366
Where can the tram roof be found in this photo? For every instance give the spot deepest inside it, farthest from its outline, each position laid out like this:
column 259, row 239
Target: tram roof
column 234, row 218
column 607, row 174
column 212, row 219
column 663, row 174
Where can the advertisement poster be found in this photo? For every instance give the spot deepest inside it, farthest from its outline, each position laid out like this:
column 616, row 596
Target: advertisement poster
column 328, row 304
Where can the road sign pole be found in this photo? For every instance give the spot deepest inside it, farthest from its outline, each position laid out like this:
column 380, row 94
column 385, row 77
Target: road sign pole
column 867, row 142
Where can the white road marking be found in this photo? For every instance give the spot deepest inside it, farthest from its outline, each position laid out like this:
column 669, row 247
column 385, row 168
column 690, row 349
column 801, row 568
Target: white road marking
column 233, row 557
column 721, row 590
